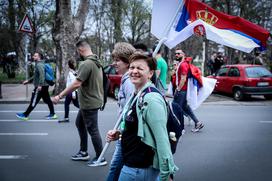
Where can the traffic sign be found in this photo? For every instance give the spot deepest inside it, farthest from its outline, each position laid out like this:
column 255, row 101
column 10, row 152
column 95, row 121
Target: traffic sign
column 26, row 25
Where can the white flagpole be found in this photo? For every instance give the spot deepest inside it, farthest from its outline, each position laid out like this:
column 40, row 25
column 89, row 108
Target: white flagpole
column 167, row 29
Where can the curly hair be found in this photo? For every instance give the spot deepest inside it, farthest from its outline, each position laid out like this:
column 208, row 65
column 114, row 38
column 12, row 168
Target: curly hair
column 123, row 51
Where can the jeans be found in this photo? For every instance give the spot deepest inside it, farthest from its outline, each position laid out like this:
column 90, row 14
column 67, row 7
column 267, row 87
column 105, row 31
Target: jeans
column 116, row 163
column 180, row 99
column 36, row 97
column 87, row 121
column 141, row 174
column 68, row 100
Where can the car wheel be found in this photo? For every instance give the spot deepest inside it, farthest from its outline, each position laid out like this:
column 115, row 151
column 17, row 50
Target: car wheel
column 268, row 97
column 115, row 93
column 238, row 95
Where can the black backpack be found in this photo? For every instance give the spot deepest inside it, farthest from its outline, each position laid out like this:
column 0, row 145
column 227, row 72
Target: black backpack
column 175, row 120
column 106, row 86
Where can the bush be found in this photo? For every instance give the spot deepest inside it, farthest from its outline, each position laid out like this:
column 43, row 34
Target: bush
column 17, row 79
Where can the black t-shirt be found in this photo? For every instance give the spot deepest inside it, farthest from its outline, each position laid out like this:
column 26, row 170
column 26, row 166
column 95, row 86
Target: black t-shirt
column 135, row 152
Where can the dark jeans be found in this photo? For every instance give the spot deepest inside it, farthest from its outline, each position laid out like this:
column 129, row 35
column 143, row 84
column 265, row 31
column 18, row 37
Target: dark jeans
column 68, row 100
column 86, row 121
column 36, row 97
column 180, row 99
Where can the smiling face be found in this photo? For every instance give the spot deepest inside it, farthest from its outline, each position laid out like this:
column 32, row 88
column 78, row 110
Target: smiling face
column 139, row 73
column 120, row 66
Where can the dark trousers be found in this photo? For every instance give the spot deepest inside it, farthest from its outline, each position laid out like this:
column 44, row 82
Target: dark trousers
column 180, row 99
column 86, row 121
column 68, row 100
column 36, row 97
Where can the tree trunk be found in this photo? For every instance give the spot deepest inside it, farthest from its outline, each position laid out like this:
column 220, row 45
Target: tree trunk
column 66, row 32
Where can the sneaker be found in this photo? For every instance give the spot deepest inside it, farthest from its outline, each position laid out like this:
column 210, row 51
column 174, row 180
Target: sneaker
column 81, row 156
column 94, row 162
column 198, row 127
column 52, row 116
column 21, row 116
column 65, row 120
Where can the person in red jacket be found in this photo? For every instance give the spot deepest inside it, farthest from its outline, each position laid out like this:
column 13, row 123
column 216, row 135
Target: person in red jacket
column 183, row 72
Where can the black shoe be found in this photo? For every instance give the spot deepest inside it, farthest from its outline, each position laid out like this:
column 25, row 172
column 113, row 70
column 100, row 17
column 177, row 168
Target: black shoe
column 65, row 120
column 94, row 162
column 198, row 127
column 81, row 156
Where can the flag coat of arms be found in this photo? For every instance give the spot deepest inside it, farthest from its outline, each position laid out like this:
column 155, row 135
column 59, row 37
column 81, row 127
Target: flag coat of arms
column 194, row 17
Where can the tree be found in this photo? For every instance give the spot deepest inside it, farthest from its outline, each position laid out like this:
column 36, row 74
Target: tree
column 137, row 21
column 66, row 32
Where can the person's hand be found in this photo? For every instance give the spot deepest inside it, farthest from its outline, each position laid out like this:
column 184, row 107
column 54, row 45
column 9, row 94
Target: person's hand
column 74, row 97
column 39, row 88
column 112, row 135
column 25, row 82
column 56, row 99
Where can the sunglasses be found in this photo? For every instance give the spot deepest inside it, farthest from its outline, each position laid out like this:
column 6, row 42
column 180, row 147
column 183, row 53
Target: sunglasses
column 177, row 53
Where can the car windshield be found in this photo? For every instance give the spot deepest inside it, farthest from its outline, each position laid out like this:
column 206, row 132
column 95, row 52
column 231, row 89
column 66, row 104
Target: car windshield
column 256, row 72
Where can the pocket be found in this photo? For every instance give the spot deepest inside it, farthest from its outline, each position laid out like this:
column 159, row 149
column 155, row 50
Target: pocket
column 128, row 173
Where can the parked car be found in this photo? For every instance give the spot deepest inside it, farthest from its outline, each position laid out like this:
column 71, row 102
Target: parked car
column 244, row 80
column 115, row 80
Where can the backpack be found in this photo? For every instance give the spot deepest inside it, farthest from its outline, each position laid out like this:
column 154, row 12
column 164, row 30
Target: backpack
column 49, row 74
column 106, row 86
column 175, row 120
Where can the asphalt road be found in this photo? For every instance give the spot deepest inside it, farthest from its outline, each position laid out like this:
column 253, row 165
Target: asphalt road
column 235, row 144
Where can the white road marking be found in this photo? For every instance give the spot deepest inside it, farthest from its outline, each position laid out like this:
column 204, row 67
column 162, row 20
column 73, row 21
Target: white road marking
column 23, row 134
column 265, row 122
column 31, row 120
column 39, row 111
column 8, row 157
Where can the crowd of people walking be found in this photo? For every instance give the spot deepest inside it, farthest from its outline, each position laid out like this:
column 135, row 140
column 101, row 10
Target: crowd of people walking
column 142, row 151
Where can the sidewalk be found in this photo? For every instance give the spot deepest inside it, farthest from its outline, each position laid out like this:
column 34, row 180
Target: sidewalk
column 16, row 93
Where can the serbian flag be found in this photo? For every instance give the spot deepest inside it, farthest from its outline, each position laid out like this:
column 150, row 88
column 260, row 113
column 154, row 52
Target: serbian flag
column 195, row 17
column 196, row 96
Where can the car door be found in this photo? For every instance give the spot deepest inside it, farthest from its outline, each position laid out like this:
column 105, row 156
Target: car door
column 221, row 79
column 232, row 79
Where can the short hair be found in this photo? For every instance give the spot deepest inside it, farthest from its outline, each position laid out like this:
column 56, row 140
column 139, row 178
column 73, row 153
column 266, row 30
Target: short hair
column 83, row 44
column 40, row 54
column 150, row 61
column 140, row 46
column 123, row 51
column 71, row 64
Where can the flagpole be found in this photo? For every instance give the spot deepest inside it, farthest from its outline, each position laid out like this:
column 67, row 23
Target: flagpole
column 203, row 56
column 167, row 29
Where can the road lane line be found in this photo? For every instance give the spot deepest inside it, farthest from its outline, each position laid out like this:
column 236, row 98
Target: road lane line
column 10, row 157
column 265, row 122
column 23, row 134
column 38, row 111
column 31, row 120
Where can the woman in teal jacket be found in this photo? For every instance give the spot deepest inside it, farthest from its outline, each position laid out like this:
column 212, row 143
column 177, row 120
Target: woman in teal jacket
column 145, row 145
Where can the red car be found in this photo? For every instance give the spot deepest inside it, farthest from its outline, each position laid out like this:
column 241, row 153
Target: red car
column 244, row 80
column 115, row 80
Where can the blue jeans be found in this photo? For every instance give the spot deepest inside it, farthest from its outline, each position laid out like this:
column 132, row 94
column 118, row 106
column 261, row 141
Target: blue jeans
column 180, row 99
column 141, row 174
column 116, row 163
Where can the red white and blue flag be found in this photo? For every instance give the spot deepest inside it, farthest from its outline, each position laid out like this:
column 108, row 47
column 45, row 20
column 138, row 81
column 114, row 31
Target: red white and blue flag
column 195, row 17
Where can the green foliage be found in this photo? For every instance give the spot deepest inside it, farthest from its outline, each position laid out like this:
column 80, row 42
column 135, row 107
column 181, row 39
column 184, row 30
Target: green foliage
column 19, row 77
